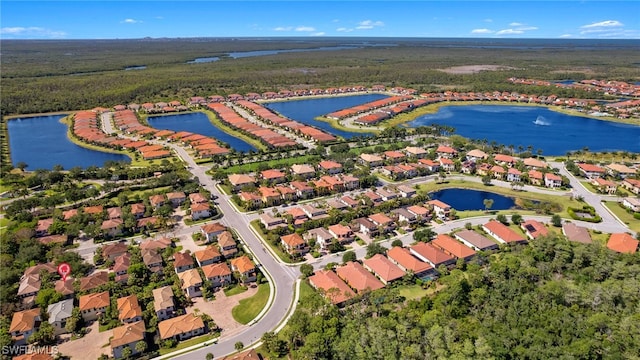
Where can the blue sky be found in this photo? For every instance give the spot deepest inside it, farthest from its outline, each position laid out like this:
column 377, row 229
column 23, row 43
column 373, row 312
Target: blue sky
column 483, row 19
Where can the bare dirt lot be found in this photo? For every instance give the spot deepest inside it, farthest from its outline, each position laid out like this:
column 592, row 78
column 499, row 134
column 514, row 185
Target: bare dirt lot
column 473, row 69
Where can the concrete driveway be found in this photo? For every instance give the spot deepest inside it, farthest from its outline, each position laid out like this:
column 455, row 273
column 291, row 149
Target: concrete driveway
column 91, row 346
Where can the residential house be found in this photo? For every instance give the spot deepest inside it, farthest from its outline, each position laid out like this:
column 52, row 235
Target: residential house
column 59, row 313
column 305, row 171
column 200, row 211
column 176, row 198
column 475, row 241
column 271, row 222
column 534, row 229
column 349, row 201
column 513, row 175
column 152, row 260
column 137, row 210
column 404, row 259
column 484, row 169
column 576, row 233
column 476, row 154
column 269, row 196
column 112, row 227
column 163, row 302
column 342, row 233
column 127, row 336
column 604, row 186
column 591, row 171
column 332, row 287
column 371, row 160
column 383, row 268
column 330, row 167
column 446, row 164
column 94, row 211
column 468, row 167
column 452, row 247
column 333, row 182
column 245, row 267
column 421, row 213
column 498, row 172
column 112, row 251
column 394, row 156
column 431, row 165
column 322, row 236
column 535, row 177
column 129, row 310
column 406, row 191
column 181, row 327
column 94, row 281
column 93, row 305
column 405, row 216
column 350, row 182
column 503, row 233
column 298, row 216
column 386, row 195
column 358, row 277
column 23, row 325
column 337, row 204
column 366, row 226
column 208, row 255
column 416, row 152
column 28, row 288
column 114, row 212
column 218, row 274
column 632, row 185
column 502, row 159
column 441, row 209
column 446, row 152
column 533, row 163
column 211, row 231
column 156, row 244
column 303, row 190
column 433, row 255
column 250, row 354
column 374, row 197
column 313, row 212
column 620, row 170
column 552, row 180
column 623, row 243
column 632, row 204
column 239, row 181
column 182, row 261
column 273, row 176
column 286, row 193
column 121, row 267
column 294, row 244
column 191, row 283
column 157, row 201
column 227, row 244
column 384, row 223
column 65, row 287
column 42, row 227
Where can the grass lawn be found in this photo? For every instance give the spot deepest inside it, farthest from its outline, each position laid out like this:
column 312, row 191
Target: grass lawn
column 276, row 249
column 271, row 164
column 187, row 343
column 413, row 291
column 623, row 215
column 235, row 290
column 563, row 200
column 249, row 308
column 599, row 237
column 338, row 125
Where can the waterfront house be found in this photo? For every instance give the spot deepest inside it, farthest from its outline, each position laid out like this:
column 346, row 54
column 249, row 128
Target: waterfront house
column 441, row 209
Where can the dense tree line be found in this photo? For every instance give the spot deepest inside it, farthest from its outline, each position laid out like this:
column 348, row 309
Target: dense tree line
column 551, row 299
column 36, row 74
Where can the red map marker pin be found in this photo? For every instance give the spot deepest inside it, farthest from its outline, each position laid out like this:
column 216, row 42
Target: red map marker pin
column 64, row 269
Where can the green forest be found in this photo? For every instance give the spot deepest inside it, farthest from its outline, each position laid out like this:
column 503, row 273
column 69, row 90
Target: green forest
column 551, row 299
column 47, row 76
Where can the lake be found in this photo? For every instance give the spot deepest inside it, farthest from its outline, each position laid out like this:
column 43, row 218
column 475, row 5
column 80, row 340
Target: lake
column 552, row 132
column 41, row 142
column 305, row 111
column 198, row 123
column 467, row 199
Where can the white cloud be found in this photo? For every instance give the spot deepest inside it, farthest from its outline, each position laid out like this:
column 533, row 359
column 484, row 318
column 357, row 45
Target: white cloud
column 527, row 28
column 32, row 32
column 305, row 28
column 343, row 29
column 481, row 31
column 321, row 33
column 283, row 28
column 369, row 24
column 514, row 24
column 130, row 21
column 488, row 20
column 603, row 24
column 509, row 32
column 159, row 17
column 565, row 36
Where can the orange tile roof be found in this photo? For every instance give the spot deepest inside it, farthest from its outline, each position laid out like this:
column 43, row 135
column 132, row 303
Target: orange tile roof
column 214, row 270
column 179, row 325
column 453, row 247
column 292, row 240
column 334, row 288
column 358, row 277
column 24, row 321
column 403, row 257
column 503, row 232
column 94, row 301
column 208, row 253
column 623, row 243
column 384, row 268
column 128, row 334
column 128, row 307
column 243, row 264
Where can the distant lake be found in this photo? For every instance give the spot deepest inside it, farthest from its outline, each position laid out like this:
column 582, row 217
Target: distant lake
column 198, row 123
column 245, row 54
column 204, row 60
column 467, row 199
column 138, row 67
column 305, row 111
column 552, row 132
column 41, row 142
